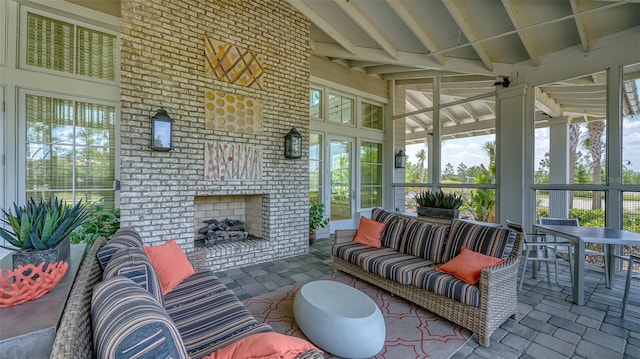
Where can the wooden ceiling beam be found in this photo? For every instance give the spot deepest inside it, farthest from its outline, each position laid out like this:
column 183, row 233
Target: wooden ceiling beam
column 469, row 33
column 516, row 17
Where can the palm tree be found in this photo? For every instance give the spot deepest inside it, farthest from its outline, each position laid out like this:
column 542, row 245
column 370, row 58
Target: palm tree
column 574, row 140
column 594, row 142
column 422, row 156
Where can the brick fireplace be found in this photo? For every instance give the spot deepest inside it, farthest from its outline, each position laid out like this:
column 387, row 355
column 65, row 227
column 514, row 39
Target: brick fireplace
column 163, row 194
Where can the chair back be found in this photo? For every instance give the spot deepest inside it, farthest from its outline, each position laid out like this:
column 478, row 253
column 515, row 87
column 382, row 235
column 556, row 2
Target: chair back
column 515, row 226
column 560, row 221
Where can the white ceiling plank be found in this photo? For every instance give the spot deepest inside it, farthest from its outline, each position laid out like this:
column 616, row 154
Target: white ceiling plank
column 324, row 25
column 580, row 25
column 415, row 27
column 515, row 15
column 423, row 61
column 388, row 69
column 547, row 104
column 366, row 25
column 468, row 32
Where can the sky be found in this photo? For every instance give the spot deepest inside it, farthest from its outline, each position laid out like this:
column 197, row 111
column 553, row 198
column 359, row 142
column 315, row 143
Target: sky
column 469, row 150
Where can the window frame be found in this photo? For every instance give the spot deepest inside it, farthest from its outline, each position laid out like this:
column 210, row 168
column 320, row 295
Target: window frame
column 354, row 109
column 23, row 41
column 22, row 139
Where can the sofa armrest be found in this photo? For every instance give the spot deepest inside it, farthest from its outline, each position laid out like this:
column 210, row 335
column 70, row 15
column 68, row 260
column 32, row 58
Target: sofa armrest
column 344, row 235
column 498, row 285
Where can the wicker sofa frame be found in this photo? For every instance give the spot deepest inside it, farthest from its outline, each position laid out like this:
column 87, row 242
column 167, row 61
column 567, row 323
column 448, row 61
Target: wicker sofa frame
column 74, row 338
column 498, row 292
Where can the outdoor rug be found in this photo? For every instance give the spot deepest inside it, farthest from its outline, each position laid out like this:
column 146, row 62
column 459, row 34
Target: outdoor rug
column 411, row 331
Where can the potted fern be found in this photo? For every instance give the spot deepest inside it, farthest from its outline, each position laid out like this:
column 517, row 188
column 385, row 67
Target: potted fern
column 316, row 220
column 40, row 231
column 438, row 204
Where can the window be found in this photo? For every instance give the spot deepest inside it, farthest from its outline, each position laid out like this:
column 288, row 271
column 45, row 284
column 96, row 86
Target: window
column 372, row 116
column 370, row 175
column 341, row 109
column 315, row 168
column 63, row 46
column 315, row 103
column 70, row 150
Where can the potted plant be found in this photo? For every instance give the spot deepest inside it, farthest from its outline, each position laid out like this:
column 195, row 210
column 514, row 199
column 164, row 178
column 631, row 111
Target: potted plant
column 40, row 231
column 316, row 220
column 438, row 204
column 101, row 222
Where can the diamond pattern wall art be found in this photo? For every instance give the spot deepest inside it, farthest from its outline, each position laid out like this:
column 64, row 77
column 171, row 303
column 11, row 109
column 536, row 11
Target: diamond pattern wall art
column 233, row 64
column 232, row 161
column 232, row 113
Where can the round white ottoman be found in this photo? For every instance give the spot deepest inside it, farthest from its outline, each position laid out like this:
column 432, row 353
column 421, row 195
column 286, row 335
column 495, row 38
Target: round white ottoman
column 339, row 319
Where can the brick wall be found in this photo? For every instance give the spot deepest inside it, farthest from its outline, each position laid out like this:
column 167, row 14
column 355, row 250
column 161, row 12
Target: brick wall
column 162, row 64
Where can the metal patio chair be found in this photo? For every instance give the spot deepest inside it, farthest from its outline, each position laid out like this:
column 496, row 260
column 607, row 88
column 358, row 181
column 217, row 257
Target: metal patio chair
column 538, row 248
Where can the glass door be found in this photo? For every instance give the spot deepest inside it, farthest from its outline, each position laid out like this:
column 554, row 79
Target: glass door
column 341, row 166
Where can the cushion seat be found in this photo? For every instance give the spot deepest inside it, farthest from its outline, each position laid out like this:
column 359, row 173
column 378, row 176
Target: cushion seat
column 384, row 262
column 208, row 315
column 446, row 285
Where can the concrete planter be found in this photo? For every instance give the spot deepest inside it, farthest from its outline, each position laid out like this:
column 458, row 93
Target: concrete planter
column 438, row 212
column 52, row 255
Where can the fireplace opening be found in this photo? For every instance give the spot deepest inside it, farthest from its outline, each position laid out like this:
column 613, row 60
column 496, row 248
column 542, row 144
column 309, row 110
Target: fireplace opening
column 227, row 219
column 227, row 230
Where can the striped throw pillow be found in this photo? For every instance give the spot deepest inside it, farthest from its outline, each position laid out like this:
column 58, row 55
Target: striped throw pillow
column 129, row 323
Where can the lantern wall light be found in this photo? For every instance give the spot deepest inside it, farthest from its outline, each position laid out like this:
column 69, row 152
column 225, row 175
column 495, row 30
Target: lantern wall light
column 293, row 144
column 400, row 159
column 161, row 131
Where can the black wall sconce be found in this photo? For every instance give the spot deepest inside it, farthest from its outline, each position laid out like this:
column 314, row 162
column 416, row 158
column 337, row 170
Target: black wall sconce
column 161, row 131
column 401, row 159
column 293, row 144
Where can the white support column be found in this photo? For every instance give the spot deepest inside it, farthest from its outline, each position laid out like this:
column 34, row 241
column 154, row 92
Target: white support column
column 559, row 165
column 510, row 155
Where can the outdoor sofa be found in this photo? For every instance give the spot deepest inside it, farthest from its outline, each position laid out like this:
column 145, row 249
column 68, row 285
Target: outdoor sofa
column 193, row 320
column 411, row 250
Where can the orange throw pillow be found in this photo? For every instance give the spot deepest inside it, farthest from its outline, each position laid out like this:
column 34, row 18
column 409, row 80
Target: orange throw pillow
column 467, row 265
column 269, row 345
column 170, row 263
column 369, row 232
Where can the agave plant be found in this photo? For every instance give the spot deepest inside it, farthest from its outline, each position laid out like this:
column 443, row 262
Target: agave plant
column 41, row 225
column 439, row 199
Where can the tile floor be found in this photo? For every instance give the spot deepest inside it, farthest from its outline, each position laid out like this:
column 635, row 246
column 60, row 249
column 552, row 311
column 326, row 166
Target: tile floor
column 549, row 326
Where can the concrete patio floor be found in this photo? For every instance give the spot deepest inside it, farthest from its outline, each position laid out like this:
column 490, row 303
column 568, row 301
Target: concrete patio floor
column 549, row 325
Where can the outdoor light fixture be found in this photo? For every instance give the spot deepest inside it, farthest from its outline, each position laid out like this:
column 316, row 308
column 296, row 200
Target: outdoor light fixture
column 401, row 159
column 293, row 144
column 161, row 131
column 505, row 82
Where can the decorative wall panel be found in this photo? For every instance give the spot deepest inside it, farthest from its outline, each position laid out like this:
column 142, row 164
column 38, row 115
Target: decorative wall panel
column 232, row 113
column 229, row 63
column 231, row 161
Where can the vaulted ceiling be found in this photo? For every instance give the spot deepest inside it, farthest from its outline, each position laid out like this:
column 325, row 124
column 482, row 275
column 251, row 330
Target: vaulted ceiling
column 470, row 45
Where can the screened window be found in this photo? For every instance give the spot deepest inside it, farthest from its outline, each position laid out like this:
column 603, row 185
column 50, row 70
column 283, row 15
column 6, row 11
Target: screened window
column 371, row 116
column 62, row 46
column 70, row 150
column 315, row 103
column 341, row 109
column 370, row 175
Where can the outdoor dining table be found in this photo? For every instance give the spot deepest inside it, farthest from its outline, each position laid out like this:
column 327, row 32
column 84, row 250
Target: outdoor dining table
column 609, row 237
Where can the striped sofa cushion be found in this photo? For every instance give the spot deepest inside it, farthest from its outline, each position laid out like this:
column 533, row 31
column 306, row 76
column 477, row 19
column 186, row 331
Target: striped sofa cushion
column 208, row 315
column 394, row 226
column 133, row 263
column 129, row 323
column 125, row 237
column 446, row 285
column 423, row 239
column 385, row 262
column 490, row 240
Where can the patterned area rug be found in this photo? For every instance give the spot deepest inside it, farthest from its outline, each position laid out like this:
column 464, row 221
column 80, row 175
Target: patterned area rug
column 411, row 331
